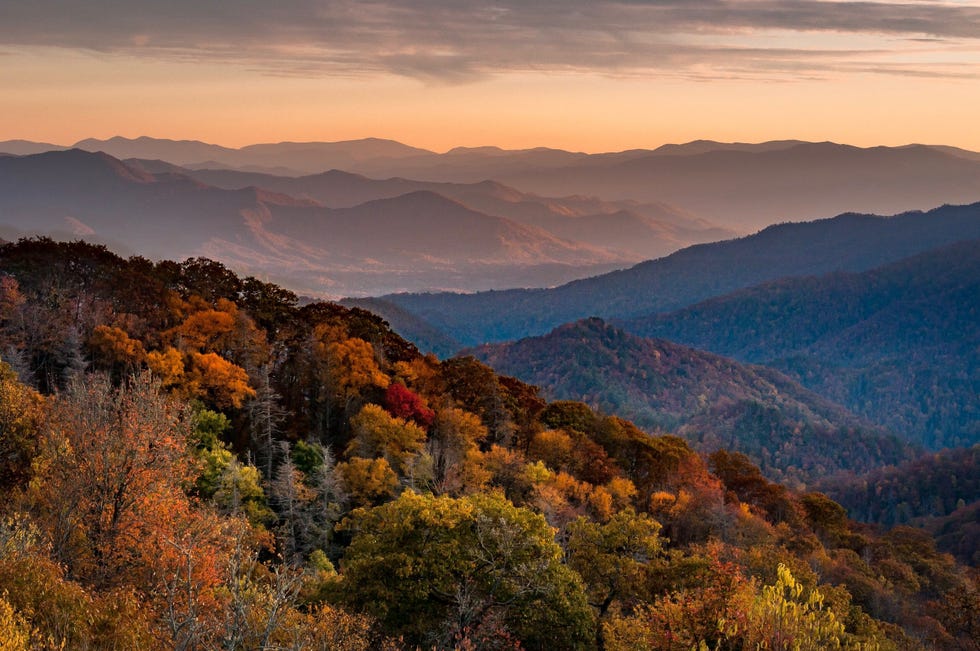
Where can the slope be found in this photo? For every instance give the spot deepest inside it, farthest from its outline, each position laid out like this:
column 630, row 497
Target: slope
column 636, row 231
column 849, row 242
column 415, row 241
column 714, row 402
column 898, row 344
column 939, row 492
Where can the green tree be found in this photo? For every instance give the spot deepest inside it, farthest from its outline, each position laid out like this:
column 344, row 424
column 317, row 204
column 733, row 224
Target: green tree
column 614, row 558
column 439, row 570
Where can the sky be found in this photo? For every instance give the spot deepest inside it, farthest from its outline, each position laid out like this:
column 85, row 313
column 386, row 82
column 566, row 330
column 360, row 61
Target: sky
column 584, row 75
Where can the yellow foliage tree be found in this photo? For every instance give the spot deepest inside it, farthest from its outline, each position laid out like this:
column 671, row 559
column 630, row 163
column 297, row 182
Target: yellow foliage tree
column 15, row 633
column 379, row 434
column 348, row 367
column 367, row 481
column 211, row 376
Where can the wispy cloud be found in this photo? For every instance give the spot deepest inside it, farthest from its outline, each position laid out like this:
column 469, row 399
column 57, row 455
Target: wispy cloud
column 458, row 40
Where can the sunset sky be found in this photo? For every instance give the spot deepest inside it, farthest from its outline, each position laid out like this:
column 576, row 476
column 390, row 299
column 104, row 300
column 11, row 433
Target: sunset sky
column 587, row 75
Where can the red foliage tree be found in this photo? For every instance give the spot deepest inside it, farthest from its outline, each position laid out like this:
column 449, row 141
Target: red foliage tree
column 402, row 402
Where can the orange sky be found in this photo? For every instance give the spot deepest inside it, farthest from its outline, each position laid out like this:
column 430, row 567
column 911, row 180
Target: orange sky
column 843, row 82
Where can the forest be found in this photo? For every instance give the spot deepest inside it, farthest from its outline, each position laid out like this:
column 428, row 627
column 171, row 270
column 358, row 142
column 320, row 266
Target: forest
column 193, row 460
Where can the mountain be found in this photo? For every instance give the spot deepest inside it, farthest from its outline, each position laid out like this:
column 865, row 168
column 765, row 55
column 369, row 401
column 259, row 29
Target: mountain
column 636, row 231
column 899, row 344
column 418, row 240
column 423, row 224
column 225, row 420
column 740, row 186
column 938, row 492
column 849, row 243
column 745, row 189
column 792, row 434
column 26, row 147
column 297, row 157
column 705, row 146
column 176, row 151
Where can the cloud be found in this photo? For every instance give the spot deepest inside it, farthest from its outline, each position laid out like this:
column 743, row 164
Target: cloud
column 455, row 41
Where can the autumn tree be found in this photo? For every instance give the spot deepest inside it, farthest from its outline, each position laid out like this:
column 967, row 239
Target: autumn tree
column 346, row 368
column 376, row 433
column 21, row 414
column 405, row 403
column 367, row 482
column 111, row 460
column 454, row 447
column 786, row 616
column 115, row 351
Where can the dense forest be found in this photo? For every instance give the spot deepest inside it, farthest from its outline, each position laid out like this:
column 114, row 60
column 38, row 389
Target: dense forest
column 192, row 460
column 714, row 402
column 940, row 492
column 899, row 344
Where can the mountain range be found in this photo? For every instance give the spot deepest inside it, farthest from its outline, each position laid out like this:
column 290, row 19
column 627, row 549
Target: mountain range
column 899, row 344
column 635, row 231
column 847, row 243
column 415, row 240
column 714, row 402
column 740, row 186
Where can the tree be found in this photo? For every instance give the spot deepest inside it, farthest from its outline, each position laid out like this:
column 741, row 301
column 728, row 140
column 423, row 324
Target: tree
column 788, row 617
column 405, row 403
column 367, row 482
column 454, row 447
column 293, row 502
column 217, row 380
column 21, row 414
column 347, row 367
column 706, row 608
column 265, row 419
column 115, row 351
column 15, row 633
column 614, row 558
column 433, row 568
column 379, row 434
column 112, row 460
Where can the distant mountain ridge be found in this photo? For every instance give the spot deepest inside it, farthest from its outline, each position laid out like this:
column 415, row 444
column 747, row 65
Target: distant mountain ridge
column 637, row 231
column 716, row 403
column 751, row 188
column 418, row 239
column 298, row 156
column 847, row 243
column 899, row 344
column 741, row 186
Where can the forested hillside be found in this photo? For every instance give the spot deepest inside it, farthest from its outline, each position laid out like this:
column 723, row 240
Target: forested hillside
column 190, row 460
column 939, row 491
column 847, row 243
column 714, row 402
column 899, row 345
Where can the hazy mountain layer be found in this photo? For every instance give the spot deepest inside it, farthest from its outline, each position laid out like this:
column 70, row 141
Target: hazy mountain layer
column 751, row 189
column 636, row 231
column 418, row 240
column 740, row 186
column 849, row 242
